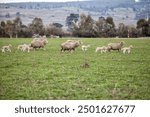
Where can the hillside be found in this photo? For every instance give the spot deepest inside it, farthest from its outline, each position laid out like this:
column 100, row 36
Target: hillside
column 126, row 11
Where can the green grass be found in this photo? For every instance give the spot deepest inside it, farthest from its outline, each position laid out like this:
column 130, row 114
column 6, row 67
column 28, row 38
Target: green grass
column 50, row 74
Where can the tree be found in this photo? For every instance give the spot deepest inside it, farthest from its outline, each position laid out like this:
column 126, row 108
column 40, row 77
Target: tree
column 110, row 21
column 58, row 25
column 9, row 28
column 2, row 29
column 122, row 30
column 85, row 27
column 17, row 26
column 53, row 30
column 132, row 31
column 144, row 26
column 99, row 27
column 36, row 27
column 70, row 20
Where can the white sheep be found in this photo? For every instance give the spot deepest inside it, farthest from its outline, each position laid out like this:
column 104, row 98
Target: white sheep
column 127, row 49
column 85, row 47
column 115, row 46
column 102, row 49
column 27, row 48
column 6, row 48
column 20, row 47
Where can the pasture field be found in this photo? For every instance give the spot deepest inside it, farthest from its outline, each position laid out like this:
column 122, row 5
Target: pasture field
column 49, row 74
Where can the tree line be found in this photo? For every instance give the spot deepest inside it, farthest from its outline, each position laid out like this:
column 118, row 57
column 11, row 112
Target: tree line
column 85, row 27
column 15, row 28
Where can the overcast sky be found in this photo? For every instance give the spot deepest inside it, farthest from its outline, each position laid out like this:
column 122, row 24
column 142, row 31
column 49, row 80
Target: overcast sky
column 7, row 1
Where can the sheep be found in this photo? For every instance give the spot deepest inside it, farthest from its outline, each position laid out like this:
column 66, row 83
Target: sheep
column 85, row 47
column 20, row 47
column 115, row 46
column 102, row 49
column 27, row 48
column 6, row 48
column 69, row 46
column 127, row 49
column 40, row 43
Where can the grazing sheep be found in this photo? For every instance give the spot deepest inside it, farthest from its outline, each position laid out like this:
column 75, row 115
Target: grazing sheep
column 39, row 43
column 102, row 49
column 69, row 46
column 127, row 49
column 85, row 47
column 6, row 48
column 115, row 46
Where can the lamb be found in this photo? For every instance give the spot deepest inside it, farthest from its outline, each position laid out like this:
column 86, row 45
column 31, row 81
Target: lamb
column 85, row 47
column 27, row 48
column 102, row 49
column 115, row 46
column 69, row 46
column 127, row 49
column 20, row 47
column 6, row 48
column 40, row 43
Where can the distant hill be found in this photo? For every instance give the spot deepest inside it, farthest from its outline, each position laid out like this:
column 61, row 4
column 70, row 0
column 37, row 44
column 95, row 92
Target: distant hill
column 126, row 11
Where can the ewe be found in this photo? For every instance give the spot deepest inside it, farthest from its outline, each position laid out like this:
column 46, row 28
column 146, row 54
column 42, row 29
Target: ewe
column 115, row 46
column 70, row 45
column 6, row 48
column 39, row 43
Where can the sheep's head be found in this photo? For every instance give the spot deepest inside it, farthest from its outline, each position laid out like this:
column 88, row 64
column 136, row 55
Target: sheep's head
column 78, row 43
column 131, row 46
column 10, row 45
column 88, row 45
column 122, row 43
column 45, row 41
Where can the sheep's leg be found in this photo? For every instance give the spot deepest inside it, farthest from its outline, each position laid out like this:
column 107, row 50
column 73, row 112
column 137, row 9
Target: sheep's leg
column 3, row 50
column 101, row 51
column 124, row 51
column 128, row 51
column 28, row 50
column 8, row 50
column 62, row 50
column 71, row 50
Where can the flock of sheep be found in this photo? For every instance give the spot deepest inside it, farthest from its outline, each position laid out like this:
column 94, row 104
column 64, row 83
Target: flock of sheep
column 35, row 43
column 69, row 45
